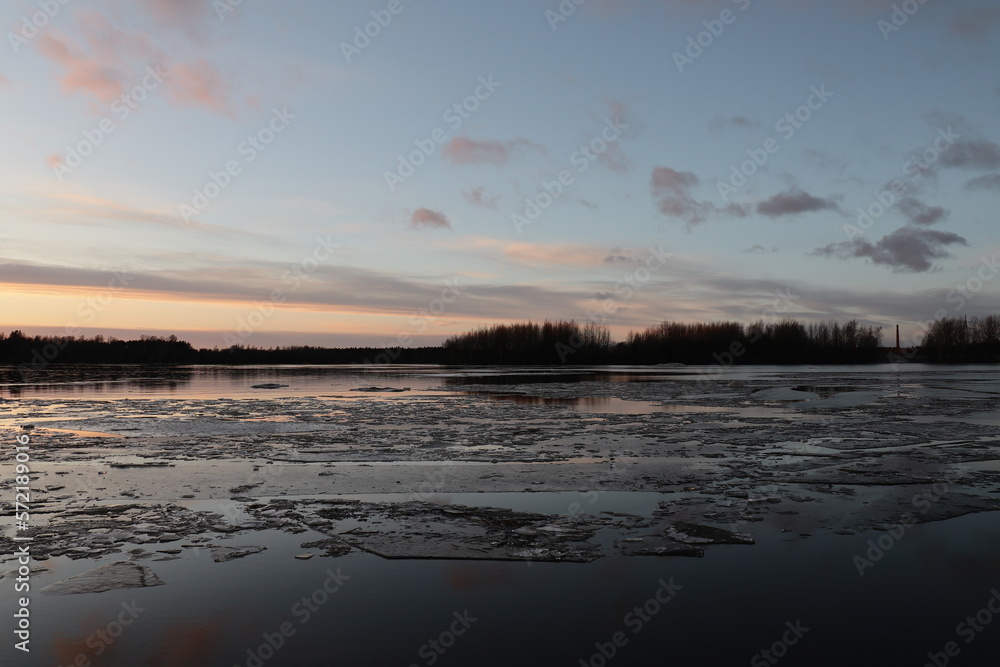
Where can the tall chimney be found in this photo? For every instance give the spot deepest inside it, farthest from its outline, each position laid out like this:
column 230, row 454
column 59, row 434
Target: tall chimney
column 897, row 336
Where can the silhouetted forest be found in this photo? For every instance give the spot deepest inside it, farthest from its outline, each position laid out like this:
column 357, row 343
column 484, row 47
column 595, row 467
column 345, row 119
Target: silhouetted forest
column 529, row 343
column 38, row 352
column 551, row 343
column 962, row 339
column 726, row 343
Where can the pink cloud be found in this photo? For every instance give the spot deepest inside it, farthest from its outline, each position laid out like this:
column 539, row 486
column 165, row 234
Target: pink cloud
column 82, row 74
column 478, row 197
column 429, row 219
column 614, row 158
column 199, row 83
column 462, row 150
column 576, row 255
column 103, row 59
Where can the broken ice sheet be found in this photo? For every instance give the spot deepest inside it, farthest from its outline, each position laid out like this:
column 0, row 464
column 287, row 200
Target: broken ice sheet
column 223, row 554
column 120, row 574
column 424, row 530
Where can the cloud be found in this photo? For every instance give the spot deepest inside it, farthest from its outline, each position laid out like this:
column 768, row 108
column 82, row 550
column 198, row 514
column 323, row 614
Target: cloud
column 793, row 202
column 429, row 219
column 101, row 79
column 614, row 158
column 549, row 255
column 199, row 83
column 670, row 181
column 186, row 14
column 104, row 57
column 478, row 197
column 975, row 154
column 987, row 182
column 760, row 250
column 3, row 80
column 619, row 256
column 721, row 123
column 906, row 250
column 462, row 150
column 976, row 22
column 675, row 200
column 84, row 210
column 331, row 289
column 920, row 213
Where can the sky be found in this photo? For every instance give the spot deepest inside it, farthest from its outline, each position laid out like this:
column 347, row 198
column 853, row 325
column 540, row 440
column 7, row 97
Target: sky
column 394, row 172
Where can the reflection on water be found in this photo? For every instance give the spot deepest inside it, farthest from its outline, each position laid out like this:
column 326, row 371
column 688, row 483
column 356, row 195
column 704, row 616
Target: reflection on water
column 824, row 392
column 730, row 604
column 83, row 434
column 235, row 381
column 500, row 377
column 620, row 406
column 582, row 404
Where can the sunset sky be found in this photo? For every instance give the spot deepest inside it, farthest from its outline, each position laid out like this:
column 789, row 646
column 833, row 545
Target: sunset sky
column 267, row 171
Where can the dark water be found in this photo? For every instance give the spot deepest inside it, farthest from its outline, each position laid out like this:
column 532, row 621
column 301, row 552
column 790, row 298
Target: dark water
column 222, row 381
column 930, row 587
column 724, row 609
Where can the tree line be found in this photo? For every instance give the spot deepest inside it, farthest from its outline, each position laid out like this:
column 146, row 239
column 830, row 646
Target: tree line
column 550, row 343
column 36, row 353
column 784, row 342
column 963, row 339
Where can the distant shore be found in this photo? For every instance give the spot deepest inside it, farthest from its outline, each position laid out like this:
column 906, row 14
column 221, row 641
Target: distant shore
column 721, row 344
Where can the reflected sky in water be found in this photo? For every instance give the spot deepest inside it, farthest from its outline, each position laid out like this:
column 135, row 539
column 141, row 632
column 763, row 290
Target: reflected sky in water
column 733, row 602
